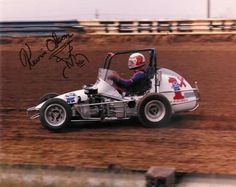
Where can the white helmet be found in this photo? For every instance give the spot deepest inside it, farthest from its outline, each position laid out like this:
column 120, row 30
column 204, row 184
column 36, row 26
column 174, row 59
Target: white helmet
column 136, row 60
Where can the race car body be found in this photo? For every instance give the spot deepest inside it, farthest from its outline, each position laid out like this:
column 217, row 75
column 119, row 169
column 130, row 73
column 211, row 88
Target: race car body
column 164, row 94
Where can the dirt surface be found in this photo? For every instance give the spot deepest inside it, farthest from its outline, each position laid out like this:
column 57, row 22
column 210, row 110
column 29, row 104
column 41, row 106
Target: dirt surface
column 200, row 141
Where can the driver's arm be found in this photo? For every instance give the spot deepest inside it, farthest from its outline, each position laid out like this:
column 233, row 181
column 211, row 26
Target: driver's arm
column 124, row 83
column 127, row 83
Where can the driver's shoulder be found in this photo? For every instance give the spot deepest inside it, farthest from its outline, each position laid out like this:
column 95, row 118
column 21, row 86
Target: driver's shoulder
column 139, row 74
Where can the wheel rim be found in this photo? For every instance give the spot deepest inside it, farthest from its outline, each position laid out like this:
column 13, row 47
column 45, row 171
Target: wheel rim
column 155, row 111
column 55, row 115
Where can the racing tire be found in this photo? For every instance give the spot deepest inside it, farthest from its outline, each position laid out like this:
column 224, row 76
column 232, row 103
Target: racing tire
column 55, row 114
column 154, row 110
column 47, row 96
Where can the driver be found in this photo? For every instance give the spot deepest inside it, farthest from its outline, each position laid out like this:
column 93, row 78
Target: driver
column 136, row 63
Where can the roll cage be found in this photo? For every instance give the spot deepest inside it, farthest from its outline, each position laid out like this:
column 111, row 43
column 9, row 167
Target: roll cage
column 151, row 68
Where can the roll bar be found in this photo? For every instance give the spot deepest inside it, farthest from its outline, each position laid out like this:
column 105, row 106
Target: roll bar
column 152, row 67
column 152, row 51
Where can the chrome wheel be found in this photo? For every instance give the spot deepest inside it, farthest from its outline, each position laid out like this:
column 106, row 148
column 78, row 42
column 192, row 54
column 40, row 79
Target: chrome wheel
column 55, row 115
column 155, row 110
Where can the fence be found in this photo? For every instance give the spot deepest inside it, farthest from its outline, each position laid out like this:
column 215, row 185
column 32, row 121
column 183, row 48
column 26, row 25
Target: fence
column 41, row 28
column 208, row 26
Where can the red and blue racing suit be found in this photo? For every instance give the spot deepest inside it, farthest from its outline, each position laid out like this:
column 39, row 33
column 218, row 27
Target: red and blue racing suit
column 125, row 85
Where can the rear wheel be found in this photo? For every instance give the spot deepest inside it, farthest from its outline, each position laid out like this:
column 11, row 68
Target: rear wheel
column 55, row 114
column 154, row 110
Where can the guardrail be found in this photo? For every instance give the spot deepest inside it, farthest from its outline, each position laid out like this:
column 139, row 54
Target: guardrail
column 38, row 28
column 162, row 27
column 208, row 26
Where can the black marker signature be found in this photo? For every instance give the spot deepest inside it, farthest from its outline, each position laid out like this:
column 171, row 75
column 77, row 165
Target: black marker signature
column 53, row 43
column 69, row 59
column 26, row 57
column 57, row 47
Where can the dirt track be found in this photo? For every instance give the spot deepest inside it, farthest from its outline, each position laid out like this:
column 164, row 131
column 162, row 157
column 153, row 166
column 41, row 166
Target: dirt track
column 201, row 141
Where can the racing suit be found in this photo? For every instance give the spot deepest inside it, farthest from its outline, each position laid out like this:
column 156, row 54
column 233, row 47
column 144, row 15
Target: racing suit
column 129, row 85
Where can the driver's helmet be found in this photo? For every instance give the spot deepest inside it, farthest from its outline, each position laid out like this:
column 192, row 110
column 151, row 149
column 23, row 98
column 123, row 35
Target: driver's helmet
column 136, row 60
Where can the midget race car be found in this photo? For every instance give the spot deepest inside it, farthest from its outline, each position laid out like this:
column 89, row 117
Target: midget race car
column 163, row 94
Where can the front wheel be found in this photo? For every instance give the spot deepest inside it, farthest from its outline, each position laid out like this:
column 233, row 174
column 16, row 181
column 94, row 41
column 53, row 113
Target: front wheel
column 154, row 110
column 55, row 114
column 47, row 96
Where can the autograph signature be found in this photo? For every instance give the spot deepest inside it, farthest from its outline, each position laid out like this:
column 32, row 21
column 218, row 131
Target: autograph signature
column 59, row 49
column 26, row 57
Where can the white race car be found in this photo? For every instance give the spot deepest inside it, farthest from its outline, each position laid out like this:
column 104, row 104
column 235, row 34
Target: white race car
column 163, row 94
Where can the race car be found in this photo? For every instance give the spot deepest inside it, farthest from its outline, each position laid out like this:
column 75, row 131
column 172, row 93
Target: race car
column 164, row 94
